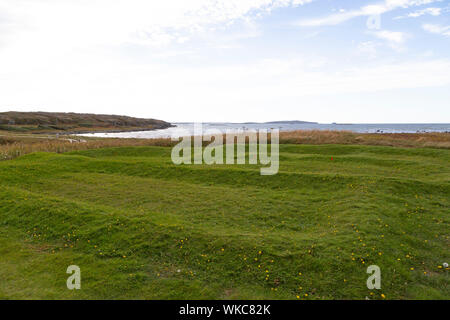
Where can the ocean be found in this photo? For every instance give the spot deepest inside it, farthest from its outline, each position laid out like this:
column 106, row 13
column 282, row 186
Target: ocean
column 183, row 128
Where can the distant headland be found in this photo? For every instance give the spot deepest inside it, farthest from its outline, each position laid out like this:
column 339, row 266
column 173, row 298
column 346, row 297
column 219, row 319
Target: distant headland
column 74, row 123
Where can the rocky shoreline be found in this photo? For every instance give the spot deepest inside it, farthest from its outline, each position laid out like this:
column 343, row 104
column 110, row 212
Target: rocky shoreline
column 108, row 130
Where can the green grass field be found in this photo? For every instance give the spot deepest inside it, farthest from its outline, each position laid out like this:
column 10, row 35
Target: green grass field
column 140, row 227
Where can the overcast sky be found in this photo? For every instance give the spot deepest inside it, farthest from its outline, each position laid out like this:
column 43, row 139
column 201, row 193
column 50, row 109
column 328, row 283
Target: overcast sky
column 229, row 60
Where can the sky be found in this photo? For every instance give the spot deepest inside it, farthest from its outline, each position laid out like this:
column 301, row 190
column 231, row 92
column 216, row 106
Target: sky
column 328, row 61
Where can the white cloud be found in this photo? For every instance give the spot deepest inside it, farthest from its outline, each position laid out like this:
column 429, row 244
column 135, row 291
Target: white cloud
column 156, row 23
column 208, row 92
column 430, row 11
column 80, row 55
column 46, row 32
column 395, row 39
column 437, row 29
column 391, row 36
column 368, row 49
column 369, row 10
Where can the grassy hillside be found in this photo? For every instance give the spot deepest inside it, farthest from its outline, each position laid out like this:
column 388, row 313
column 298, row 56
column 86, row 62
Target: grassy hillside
column 53, row 122
column 140, row 227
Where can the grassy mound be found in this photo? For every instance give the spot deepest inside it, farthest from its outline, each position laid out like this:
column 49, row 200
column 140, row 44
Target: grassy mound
column 140, row 227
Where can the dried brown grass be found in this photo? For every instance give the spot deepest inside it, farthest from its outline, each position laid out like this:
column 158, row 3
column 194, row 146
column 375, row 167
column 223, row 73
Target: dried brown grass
column 15, row 146
column 18, row 148
column 409, row 140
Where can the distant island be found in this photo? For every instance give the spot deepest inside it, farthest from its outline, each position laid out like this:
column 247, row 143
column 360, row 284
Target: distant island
column 74, row 123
